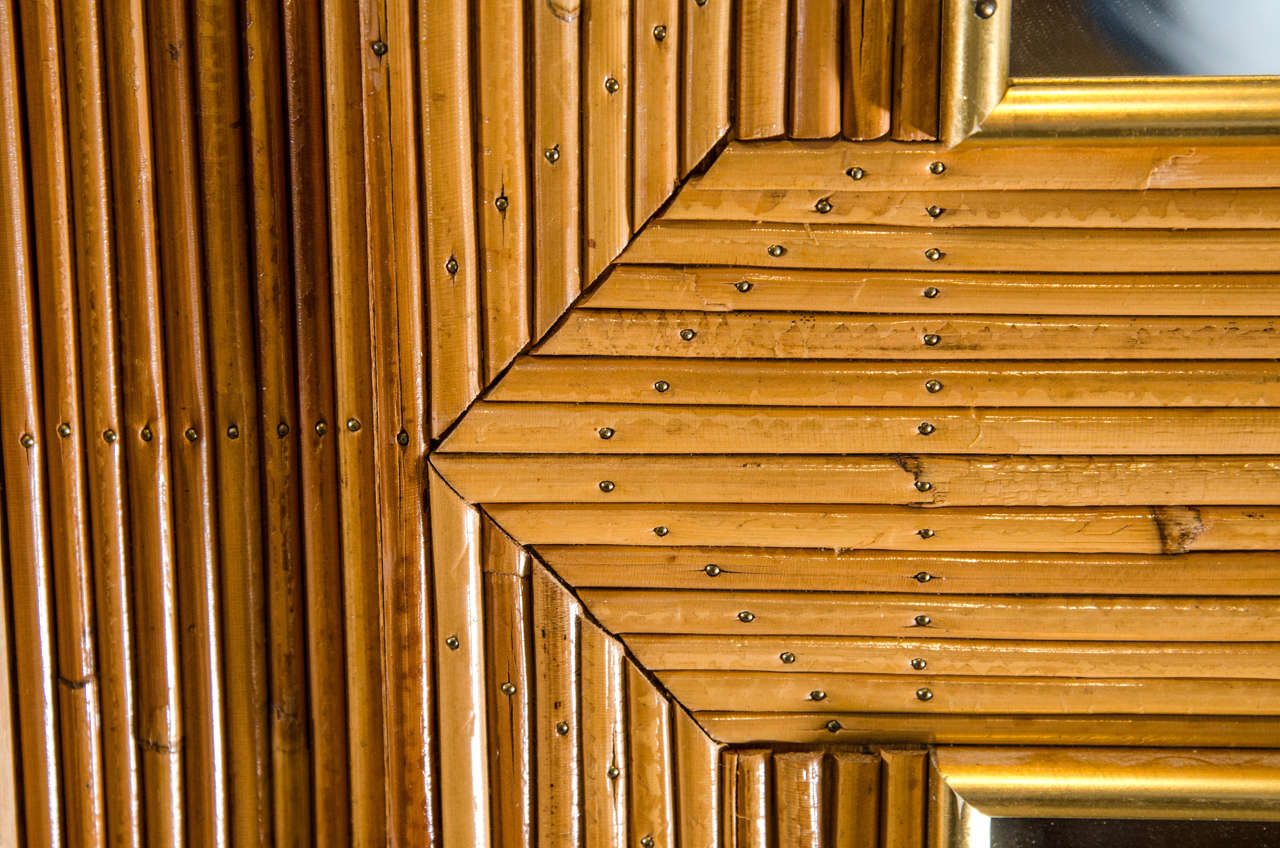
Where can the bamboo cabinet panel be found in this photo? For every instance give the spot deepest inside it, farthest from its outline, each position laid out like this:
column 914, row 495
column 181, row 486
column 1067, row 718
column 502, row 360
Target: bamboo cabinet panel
column 605, row 423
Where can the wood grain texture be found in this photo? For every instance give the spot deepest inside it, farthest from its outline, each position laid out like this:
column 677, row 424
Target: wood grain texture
column 762, row 68
column 609, row 120
column 917, row 60
column 728, row 822
column 11, row 796
column 799, row 807
column 855, row 795
column 705, row 80
column 815, row 69
column 657, row 33
column 557, row 713
column 607, row 767
column 699, row 791
column 903, row 798
column 651, row 742
column 754, row 816
column 868, row 69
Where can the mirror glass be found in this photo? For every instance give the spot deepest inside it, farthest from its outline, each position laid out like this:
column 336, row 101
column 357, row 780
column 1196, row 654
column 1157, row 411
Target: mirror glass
column 1107, row 38
column 1131, row 833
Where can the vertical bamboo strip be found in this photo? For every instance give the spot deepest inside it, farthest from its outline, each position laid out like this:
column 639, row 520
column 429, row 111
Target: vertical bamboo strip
column 78, row 708
column 704, row 79
column 460, row 675
column 21, row 452
column 855, row 796
column 502, row 191
column 10, row 794
column 729, row 798
column 236, row 430
column 606, row 774
column 509, row 688
column 403, row 441
column 649, row 733
column 916, row 68
column 557, row 152
column 815, row 73
column 902, row 799
column 657, row 31
column 291, row 812
column 753, row 799
column 762, row 68
column 868, row 50
column 557, row 729
column 190, row 410
column 453, row 269
column 321, row 540
column 344, row 46
column 155, row 629
column 100, row 375
column 607, row 94
column 698, row 790
column 798, row 808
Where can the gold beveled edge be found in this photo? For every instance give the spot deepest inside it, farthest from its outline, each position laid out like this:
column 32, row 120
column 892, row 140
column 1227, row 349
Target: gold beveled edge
column 980, row 101
column 970, row 786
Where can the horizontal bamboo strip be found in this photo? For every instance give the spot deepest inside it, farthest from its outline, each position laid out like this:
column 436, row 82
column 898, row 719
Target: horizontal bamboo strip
column 903, row 810
column 803, row 335
column 799, row 799
column 827, row 728
column 855, row 793
column 730, row 289
column 902, row 571
column 959, row 249
column 898, row 479
column 977, row 383
column 567, row 428
column 1000, row 658
column 1177, row 208
column 889, row 166
column 957, row 617
column 770, row 692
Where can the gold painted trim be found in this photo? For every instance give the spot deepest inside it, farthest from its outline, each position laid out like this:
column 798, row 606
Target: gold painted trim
column 971, row 786
column 980, row 100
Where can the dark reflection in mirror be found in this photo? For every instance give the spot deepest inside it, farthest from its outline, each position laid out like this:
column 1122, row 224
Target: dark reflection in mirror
column 1106, row 38
column 1132, row 833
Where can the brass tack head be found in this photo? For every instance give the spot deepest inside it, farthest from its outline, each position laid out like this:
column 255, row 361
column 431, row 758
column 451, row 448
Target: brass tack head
column 233, row 432
column 660, row 32
column 661, row 386
column 933, row 386
column 451, row 265
column 923, row 621
column 612, row 772
column 743, row 286
column 646, row 841
column 562, row 727
column 27, row 440
column 688, row 334
column 552, row 154
column 501, row 203
column 937, row 167
column 191, row 434
column 925, row 533
column 605, row 432
column 109, row 436
column 64, row 429
column 746, row 617
column 712, row 570
column 923, row 485
column 817, row 695
column 776, row 250
column 660, row 531
column 924, row 694
column 984, row 8
column 933, row 254
column 701, row 2
column 321, row 428
column 379, row 47
column 823, row 206
column 918, row 663
column 146, row 435
column 930, row 292
column 935, row 211
column 508, row 688
column 607, row 486
column 611, row 85
column 931, row 339
column 834, row 726
column 855, row 173
column 402, row 438
column 282, row 429
column 925, row 428
column 787, row 657
column 922, row 576
column 353, row 424
column 453, row 642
